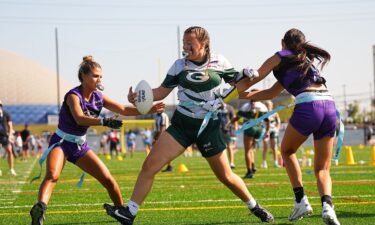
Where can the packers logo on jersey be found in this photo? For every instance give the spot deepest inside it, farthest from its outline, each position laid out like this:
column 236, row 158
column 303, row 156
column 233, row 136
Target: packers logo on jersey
column 197, row 77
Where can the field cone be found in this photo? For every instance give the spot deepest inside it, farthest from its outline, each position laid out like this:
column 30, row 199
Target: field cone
column 108, row 156
column 119, row 158
column 373, row 156
column 182, row 168
column 349, row 156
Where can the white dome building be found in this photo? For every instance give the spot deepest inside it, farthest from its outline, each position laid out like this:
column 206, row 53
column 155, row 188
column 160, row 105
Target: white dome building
column 28, row 90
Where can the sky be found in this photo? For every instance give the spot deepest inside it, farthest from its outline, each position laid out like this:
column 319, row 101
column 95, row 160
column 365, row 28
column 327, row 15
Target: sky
column 138, row 40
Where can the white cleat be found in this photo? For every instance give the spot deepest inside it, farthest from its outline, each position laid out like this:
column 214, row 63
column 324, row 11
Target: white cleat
column 12, row 173
column 301, row 209
column 264, row 165
column 329, row 215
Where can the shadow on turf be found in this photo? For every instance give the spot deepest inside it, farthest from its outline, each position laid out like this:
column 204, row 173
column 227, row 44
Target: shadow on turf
column 230, row 222
column 346, row 214
column 96, row 222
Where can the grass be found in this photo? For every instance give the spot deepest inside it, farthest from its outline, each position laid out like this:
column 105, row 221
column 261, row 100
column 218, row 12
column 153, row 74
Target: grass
column 191, row 198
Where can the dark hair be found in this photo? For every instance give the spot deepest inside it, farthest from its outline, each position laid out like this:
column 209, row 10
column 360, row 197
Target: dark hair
column 202, row 36
column 295, row 40
column 86, row 66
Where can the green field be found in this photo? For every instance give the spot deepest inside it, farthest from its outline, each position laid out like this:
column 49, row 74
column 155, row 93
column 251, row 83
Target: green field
column 191, row 198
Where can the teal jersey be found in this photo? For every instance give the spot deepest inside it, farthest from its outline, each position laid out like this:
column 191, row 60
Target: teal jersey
column 198, row 83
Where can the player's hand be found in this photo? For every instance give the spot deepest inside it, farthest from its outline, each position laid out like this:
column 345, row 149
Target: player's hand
column 158, row 107
column 111, row 122
column 132, row 96
column 250, row 73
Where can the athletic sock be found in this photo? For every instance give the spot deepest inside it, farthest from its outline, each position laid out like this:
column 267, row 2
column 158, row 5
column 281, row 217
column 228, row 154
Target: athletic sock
column 133, row 207
column 327, row 199
column 298, row 193
column 251, row 203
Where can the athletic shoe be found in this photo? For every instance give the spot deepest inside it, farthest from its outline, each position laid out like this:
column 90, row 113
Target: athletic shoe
column 232, row 166
column 329, row 215
column 248, row 175
column 37, row 213
column 276, row 164
column 262, row 213
column 301, row 209
column 120, row 213
column 12, row 173
column 253, row 168
column 264, row 165
column 168, row 169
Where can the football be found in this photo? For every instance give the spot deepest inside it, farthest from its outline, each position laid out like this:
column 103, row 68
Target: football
column 145, row 97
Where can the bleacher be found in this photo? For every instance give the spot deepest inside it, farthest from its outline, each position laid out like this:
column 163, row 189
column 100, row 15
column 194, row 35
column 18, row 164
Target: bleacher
column 32, row 114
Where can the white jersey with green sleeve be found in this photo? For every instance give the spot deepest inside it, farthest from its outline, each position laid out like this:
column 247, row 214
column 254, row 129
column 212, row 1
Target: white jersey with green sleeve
column 198, row 83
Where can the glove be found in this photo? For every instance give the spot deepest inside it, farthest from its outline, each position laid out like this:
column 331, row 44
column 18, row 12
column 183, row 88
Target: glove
column 111, row 122
column 250, row 73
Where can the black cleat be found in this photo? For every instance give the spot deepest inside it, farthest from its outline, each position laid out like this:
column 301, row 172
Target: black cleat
column 120, row 213
column 262, row 213
column 168, row 169
column 37, row 213
column 248, row 175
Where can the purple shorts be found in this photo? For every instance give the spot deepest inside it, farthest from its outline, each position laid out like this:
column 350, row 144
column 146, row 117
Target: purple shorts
column 317, row 117
column 72, row 151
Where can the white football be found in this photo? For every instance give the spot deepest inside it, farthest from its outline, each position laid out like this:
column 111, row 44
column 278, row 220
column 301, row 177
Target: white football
column 145, row 97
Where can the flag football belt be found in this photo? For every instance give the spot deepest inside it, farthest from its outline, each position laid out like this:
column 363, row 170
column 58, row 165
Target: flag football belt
column 302, row 98
column 212, row 108
column 79, row 140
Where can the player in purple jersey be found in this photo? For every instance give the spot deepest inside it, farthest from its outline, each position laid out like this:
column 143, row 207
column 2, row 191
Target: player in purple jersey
column 81, row 109
column 294, row 70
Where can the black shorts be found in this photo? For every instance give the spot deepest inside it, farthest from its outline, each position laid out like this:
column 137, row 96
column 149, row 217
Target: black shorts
column 4, row 141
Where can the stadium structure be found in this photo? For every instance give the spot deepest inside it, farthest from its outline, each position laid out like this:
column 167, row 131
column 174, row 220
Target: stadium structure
column 28, row 90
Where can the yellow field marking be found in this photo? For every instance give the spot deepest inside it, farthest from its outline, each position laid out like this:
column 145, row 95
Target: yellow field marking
column 182, row 208
column 219, row 186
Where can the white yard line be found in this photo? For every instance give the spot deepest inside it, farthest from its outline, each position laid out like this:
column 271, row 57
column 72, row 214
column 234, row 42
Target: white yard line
column 187, row 201
column 17, row 186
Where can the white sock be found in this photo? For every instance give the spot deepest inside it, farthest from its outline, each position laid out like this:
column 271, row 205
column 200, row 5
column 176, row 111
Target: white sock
column 133, row 207
column 251, row 203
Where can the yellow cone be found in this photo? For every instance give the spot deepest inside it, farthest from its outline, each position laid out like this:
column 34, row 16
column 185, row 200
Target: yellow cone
column 349, row 156
column 361, row 146
column 119, row 158
column 373, row 156
column 108, row 157
column 182, row 168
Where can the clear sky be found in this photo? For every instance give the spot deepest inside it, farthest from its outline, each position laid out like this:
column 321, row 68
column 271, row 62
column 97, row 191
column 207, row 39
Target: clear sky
column 137, row 39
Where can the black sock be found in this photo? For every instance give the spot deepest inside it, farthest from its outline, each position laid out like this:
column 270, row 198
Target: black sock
column 327, row 199
column 298, row 193
column 42, row 205
column 249, row 170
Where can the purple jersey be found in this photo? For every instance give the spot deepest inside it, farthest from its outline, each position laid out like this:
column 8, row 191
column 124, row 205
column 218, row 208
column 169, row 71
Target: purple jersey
column 90, row 108
column 292, row 78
